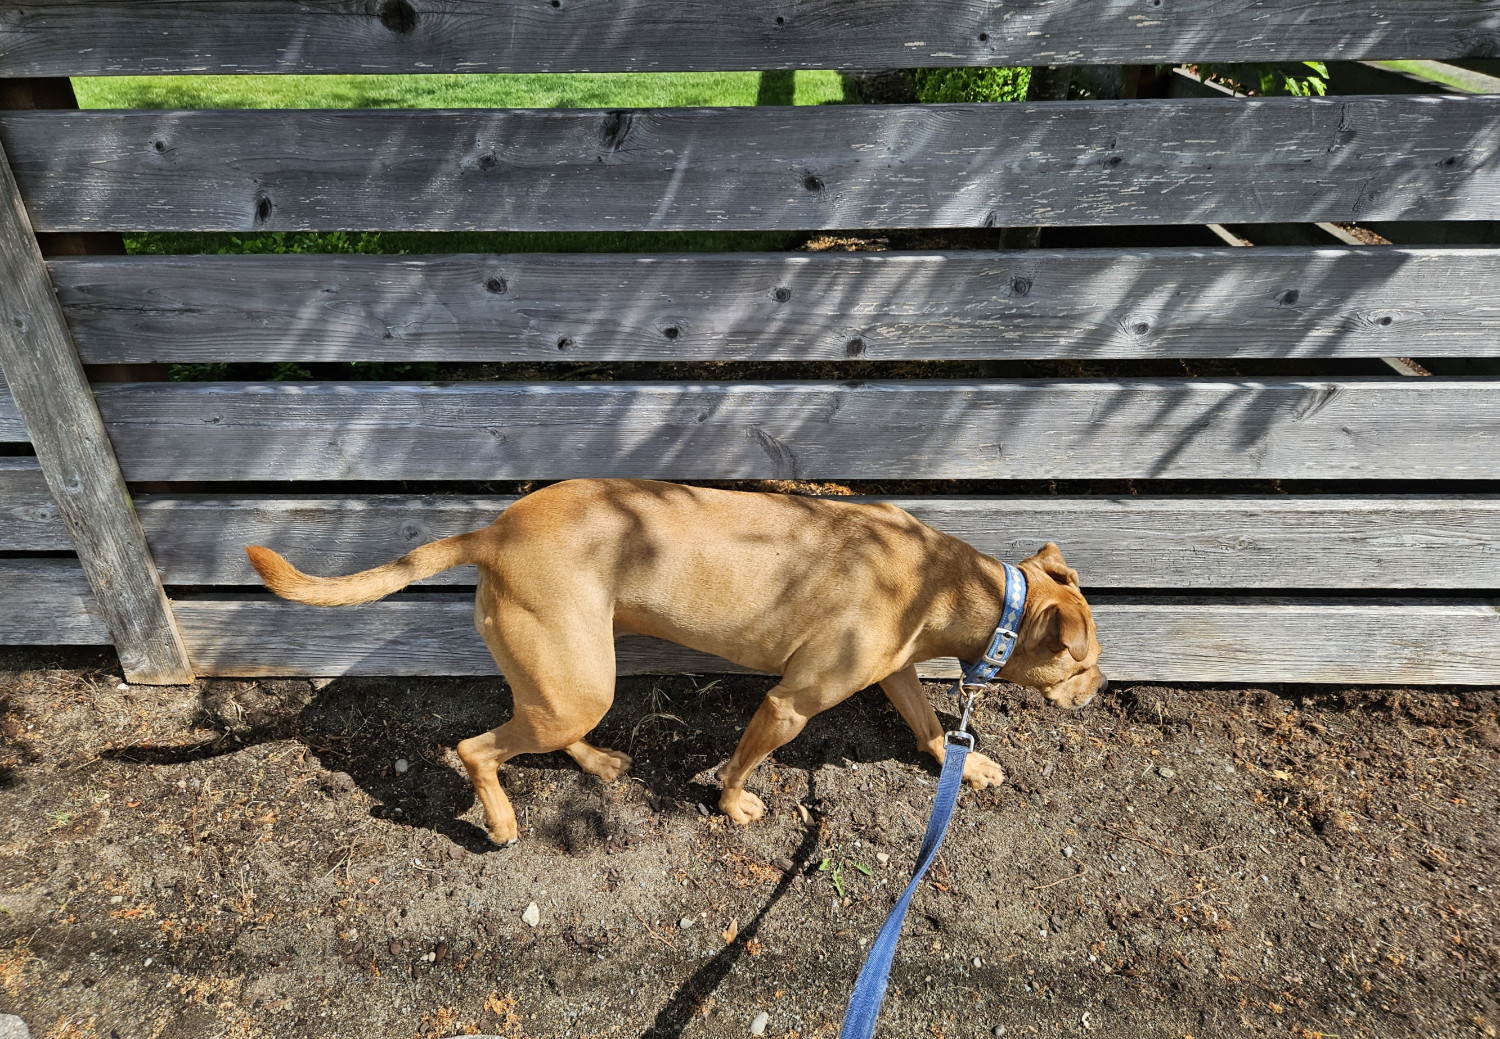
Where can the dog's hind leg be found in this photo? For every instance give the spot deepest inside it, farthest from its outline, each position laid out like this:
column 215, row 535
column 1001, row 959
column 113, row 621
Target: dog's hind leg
column 561, row 672
column 597, row 761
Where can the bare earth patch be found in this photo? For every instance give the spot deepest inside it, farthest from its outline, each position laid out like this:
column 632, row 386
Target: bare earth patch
column 245, row 859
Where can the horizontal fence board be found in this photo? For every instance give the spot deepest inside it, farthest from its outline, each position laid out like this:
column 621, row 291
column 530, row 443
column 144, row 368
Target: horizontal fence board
column 858, row 166
column 1323, row 542
column 1250, row 641
column 29, row 519
column 1095, row 303
column 12, row 426
column 48, row 602
column 1374, row 427
column 106, row 37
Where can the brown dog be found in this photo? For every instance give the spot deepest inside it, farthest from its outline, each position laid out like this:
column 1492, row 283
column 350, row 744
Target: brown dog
column 832, row 596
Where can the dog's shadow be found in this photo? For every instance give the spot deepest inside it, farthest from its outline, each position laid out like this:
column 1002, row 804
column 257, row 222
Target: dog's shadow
column 391, row 738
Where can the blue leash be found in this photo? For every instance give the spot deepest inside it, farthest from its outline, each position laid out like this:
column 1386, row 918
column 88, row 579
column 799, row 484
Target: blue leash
column 869, row 987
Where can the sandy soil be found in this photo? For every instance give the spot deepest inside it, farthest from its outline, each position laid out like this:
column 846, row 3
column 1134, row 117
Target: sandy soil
column 245, row 859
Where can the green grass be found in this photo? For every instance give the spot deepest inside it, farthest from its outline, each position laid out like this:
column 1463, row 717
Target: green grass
column 578, row 90
column 575, row 90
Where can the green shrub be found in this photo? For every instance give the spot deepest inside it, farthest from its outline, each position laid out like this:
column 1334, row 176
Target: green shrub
column 945, row 86
column 152, row 243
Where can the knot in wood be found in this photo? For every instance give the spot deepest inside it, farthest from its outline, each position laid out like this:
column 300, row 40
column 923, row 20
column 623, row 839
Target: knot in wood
column 399, row 16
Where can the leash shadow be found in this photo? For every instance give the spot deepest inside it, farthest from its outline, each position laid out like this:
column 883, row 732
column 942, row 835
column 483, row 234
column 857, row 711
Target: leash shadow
column 672, row 1020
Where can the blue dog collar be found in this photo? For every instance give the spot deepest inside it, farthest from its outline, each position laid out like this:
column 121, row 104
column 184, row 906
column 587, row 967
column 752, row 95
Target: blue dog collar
column 1003, row 642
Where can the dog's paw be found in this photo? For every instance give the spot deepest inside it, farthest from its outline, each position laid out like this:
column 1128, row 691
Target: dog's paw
column 611, row 765
column 505, row 836
column 742, row 806
column 980, row 772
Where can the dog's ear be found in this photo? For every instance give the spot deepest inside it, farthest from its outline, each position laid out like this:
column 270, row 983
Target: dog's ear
column 1051, row 560
column 1067, row 629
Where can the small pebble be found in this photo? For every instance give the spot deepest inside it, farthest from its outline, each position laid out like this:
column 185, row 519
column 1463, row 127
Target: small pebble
column 685, row 922
column 117, row 900
column 122, row 687
column 532, row 916
column 1166, row 773
column 148, row 961
column 998, row 1030
column 703, row 809
column 978, row 962
column 758, row 1026
column 882, row 858
column 1068, row 852
column 402, row 765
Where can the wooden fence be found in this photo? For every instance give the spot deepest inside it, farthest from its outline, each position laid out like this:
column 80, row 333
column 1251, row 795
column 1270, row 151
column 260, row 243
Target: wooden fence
column 1311, row 522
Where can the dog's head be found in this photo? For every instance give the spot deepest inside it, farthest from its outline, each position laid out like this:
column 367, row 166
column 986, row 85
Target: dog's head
column 1056, row 651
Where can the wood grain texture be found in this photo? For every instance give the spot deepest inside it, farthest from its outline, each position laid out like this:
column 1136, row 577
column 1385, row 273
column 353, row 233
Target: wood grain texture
column 1095, row 303
column 1314, row 542
column 857, row 166
column 29, row 519
column 12, row 426
column 108, row 37
column 1167, row 640
column 47, row 602
column 52, row 394
column 1374, row 427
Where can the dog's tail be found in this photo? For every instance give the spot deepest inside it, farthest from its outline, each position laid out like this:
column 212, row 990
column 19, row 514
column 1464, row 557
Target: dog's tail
column 366, row 586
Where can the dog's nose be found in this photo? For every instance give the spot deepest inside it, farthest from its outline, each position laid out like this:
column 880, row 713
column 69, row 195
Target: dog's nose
column 1103, row 686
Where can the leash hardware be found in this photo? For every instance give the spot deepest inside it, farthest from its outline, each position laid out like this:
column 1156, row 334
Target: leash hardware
column 965, row 739
column 962, row 732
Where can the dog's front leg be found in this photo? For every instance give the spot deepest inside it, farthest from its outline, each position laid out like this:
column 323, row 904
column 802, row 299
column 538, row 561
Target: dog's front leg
column 779, row 718
column 905, row 691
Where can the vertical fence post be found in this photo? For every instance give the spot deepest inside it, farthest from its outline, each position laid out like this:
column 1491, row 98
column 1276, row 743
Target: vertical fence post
column 50, row 388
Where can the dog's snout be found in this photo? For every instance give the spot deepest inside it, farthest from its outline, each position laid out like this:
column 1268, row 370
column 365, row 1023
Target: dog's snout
column 1103, row 686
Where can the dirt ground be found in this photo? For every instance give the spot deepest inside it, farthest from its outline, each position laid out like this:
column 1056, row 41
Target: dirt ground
column 271, row 859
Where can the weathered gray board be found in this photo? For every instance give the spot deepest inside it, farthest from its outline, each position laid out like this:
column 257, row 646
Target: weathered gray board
column 1047, row 163
column 105, row 37
column 29, row 518
column 876, row 306
column 52, row 393
column 1188, row 640
column 47, row 602
column 1175, row 543
column 12, row 426
column 1388, row 428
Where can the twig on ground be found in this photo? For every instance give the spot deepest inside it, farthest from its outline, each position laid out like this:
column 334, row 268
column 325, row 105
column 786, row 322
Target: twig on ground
column 1082, row 869
column 642, row 917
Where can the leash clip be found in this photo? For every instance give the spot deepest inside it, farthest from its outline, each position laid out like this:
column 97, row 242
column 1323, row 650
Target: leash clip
column 962, row 733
